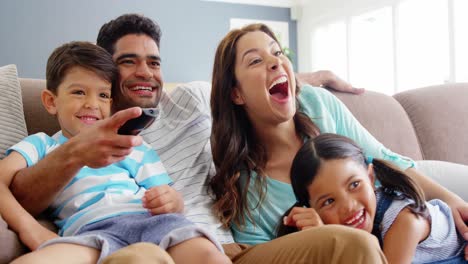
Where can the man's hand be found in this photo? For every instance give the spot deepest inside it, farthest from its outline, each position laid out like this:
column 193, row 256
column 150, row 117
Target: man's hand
column 303, row 218
column 162, row 200
column 100, row 145
column 460, row 214
column 327, row 79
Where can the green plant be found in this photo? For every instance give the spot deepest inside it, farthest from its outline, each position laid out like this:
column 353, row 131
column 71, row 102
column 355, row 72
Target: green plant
column 289, row 53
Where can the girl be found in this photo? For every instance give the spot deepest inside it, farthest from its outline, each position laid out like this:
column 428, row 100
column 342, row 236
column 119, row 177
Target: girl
column 330, row 175
column 260, row 119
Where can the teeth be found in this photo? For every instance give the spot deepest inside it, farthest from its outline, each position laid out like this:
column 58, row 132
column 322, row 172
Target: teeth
column 355, row 218
column 138, row 88
column 282, row 79
column 88, row 118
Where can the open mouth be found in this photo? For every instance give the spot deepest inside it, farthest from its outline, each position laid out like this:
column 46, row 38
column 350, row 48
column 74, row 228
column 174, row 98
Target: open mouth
column 279, row 89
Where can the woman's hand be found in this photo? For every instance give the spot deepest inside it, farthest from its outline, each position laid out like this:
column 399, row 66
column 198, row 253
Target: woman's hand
column 460, row 214
column 303, row 218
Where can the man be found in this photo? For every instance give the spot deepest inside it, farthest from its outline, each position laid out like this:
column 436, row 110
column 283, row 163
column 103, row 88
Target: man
column 180, row 134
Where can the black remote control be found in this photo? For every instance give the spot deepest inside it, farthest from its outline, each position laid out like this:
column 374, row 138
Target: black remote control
column 136, row 125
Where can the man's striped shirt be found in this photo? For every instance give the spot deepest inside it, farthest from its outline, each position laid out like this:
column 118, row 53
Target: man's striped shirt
column 181, row 137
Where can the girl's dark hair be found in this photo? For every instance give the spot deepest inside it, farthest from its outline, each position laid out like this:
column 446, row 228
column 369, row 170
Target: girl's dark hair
column 233, row 141
column 331, row 147
column 79, row 54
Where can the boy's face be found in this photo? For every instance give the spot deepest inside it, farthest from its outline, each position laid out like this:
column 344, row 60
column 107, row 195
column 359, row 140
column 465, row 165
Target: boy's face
column 342, row 193
column 139, row 63
column 82, row 99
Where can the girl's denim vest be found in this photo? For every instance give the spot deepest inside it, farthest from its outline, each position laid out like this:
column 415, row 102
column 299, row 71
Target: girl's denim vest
column 382, row 205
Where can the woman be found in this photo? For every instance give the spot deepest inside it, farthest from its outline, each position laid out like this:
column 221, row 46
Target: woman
column 260, row 120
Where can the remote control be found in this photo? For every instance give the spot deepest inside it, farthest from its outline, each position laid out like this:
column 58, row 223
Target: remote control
column 136, row 125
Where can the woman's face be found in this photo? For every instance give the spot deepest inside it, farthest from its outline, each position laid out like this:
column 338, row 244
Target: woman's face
column 265, row 80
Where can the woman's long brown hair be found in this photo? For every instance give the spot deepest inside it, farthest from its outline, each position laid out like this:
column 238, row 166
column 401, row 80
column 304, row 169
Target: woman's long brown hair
column 233, row 140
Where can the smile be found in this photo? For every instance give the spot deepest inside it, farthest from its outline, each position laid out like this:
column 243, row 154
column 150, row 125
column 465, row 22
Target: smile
column 88, row 120
column 357, row 220
column 141, row 88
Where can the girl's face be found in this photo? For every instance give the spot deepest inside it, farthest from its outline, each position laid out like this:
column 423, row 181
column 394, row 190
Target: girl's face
column 265, row 80
column 343, row 193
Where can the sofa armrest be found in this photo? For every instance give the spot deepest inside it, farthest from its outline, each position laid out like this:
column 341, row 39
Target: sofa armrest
column 452, row 176
column 11, row 245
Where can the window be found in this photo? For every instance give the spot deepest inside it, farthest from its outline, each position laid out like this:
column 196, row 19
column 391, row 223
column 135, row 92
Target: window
column 461, row 40
column 422, row 43
column 371, row 51
column 329, row 49
column 397, row 45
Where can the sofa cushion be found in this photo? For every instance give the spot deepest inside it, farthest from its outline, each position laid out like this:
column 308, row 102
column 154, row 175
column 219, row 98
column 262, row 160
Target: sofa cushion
column 439, row 115
column 13, row 126
column 37, row 118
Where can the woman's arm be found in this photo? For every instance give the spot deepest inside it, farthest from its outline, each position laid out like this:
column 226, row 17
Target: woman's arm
column 31, row 233
column 327, row 79
column 402, row 238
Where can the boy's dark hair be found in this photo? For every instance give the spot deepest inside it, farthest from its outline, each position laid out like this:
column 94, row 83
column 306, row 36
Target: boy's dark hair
column 79, row 54
column 328, row 146
column 126, row 24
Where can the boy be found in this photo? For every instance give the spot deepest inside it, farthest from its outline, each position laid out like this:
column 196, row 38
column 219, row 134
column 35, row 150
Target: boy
column 100, row 210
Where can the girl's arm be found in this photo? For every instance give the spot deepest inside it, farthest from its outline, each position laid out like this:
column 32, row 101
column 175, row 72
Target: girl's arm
column 18, row 219
column 402, row 238
column 302, row 218
column 433, row 190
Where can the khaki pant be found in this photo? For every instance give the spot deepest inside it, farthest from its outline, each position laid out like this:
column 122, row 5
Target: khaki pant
column 327, row 244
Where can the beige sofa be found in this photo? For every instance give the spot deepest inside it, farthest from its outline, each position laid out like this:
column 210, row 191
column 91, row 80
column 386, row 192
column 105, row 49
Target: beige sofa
column 425, row 124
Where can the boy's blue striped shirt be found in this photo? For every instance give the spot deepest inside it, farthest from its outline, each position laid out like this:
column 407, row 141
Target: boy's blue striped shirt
column 97, row 194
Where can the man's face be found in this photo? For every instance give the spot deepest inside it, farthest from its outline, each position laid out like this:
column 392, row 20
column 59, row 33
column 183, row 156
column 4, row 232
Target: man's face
column 139, row 63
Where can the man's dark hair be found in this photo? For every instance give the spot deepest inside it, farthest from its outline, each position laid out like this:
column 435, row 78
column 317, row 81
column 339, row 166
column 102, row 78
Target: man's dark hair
column 79, row 54
column 126, row 24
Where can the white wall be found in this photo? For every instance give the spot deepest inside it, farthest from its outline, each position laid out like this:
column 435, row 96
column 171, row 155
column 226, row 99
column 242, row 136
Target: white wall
column 31, row 29
column 316, row 12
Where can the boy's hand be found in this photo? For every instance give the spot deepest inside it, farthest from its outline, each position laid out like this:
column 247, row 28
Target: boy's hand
column 162, row 200
column 303, row 218
column 100, row 145
column 36, row 236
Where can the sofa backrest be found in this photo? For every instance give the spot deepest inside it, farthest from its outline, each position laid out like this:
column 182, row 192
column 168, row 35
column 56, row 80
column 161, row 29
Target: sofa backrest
column 439, row 115
column 37, row 118
column 386, row 120
column 426, row 123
